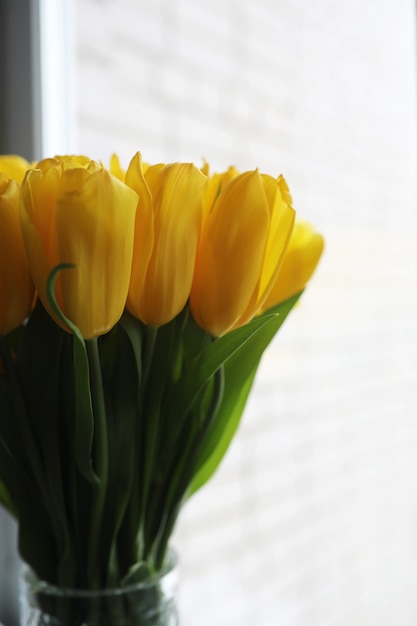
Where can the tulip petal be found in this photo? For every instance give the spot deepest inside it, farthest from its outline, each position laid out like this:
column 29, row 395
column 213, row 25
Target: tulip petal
column 144, row 234
column 230, row 256
column 116, row 169
column 300, row 261
column 280, row 229
column 37, row 216
column 13, row 166
column 16, row 286
column 177, row 192
column 214, row 186
column 95, row 226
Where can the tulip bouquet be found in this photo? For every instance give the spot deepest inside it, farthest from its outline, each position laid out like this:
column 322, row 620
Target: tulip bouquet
column 134, row 310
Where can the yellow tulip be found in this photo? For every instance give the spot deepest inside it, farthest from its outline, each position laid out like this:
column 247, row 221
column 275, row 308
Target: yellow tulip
column 167, row 229
column 241, row 248
column 300, row 260
column 75, row 212
column 16, row 286
column 13, row 166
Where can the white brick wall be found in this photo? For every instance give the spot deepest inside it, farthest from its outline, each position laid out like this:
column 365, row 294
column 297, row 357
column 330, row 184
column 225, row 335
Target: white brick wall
column 312, row 519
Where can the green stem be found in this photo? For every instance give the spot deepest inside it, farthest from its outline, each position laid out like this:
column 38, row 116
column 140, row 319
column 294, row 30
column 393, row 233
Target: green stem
column 149, row 426
column 101, row 456
column 150, row 341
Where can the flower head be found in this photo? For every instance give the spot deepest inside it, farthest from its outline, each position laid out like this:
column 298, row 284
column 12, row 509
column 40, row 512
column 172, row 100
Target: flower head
column 74, row 212
column 247, row 228
column 167, row 229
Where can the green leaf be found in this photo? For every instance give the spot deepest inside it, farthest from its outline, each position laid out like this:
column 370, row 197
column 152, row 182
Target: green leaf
column 239, row 370
column 45, row 364
column 84, row 418
column 16, row 429
column 185, row 459
column 210, row 359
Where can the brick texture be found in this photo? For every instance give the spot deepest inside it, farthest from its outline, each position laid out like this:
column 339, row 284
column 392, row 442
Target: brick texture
column 312, row 518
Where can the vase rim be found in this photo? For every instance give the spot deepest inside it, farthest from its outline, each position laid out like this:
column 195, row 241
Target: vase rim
column 167, row 576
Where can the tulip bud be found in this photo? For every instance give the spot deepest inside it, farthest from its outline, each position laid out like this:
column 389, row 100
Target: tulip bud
column 242, row 244
column 16, row 286
column 74, row 212
column 168, row 224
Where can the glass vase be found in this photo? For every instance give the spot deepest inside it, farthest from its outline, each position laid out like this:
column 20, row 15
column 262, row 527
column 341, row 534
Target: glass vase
column 148, row 603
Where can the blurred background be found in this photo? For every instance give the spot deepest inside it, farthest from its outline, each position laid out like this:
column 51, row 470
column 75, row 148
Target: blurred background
column 312, row 518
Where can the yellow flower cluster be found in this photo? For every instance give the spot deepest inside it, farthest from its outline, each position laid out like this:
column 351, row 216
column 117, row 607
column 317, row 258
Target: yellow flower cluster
column 149, row 239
